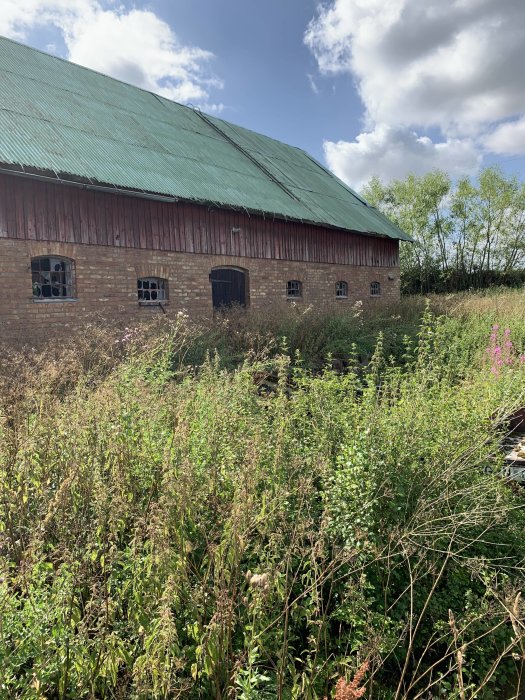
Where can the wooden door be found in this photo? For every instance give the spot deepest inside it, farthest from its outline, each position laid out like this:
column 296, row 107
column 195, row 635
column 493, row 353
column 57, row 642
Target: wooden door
column 228, row 287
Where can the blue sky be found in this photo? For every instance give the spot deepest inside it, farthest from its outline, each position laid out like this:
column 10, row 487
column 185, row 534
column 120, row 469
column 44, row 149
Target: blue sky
column 261, row 56
column 380, row 87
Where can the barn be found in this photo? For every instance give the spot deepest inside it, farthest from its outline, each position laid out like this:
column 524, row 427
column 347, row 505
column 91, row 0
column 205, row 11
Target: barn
column 119, row 203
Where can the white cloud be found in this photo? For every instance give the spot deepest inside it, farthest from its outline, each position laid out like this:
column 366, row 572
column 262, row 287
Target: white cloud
column 391, row 153
column 133, row 45
column 508, row 138
column 455, row 66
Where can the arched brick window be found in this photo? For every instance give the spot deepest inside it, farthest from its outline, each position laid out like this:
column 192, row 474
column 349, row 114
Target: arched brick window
column 52, row 278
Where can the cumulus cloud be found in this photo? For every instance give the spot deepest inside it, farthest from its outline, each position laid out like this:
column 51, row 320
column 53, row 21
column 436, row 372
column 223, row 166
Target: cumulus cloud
column 134, row 45
column 507, row 138
column 456, row 65
column 453, row 66
column 390, row 153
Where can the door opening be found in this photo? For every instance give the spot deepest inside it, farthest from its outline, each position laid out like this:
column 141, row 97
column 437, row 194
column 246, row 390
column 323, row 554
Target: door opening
column 229, row 287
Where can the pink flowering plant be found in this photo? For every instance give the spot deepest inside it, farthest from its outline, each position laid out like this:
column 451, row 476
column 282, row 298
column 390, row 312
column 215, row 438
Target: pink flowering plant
column 501, row 351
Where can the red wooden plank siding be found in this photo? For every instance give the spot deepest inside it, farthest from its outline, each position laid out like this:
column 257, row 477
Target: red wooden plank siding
column 174, row 239
column 19, row 210
column 44, row 211
column 75, row 211
column 110, row 210
column 30, row 210
column 3, row 213
column 12, row 226
column 40, row 212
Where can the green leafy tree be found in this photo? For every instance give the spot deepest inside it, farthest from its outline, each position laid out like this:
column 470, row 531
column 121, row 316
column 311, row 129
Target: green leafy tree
column 419, row 206
column 467, row 234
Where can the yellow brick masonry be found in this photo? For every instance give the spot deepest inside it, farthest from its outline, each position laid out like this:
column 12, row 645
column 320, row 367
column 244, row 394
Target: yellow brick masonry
column 105, row 282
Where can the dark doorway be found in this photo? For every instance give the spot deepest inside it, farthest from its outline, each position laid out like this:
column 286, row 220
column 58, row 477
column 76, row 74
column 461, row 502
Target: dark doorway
column 228, row 287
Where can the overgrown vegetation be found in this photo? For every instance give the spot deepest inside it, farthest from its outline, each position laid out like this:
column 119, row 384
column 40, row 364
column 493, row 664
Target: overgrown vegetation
column 265, row 526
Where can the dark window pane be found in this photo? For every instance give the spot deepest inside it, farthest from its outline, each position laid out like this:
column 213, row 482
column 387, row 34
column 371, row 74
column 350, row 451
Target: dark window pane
column 51, row 278
column 151, row 289
column 341, row 289
column 293, row 288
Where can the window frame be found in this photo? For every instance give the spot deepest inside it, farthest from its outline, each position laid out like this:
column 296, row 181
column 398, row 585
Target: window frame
column 375, row 289
column 289, row 290
column 67, row 282
column 164, row 288
column 344, row 286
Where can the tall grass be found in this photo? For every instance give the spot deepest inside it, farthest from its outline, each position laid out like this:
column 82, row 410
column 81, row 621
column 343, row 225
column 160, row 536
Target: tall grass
column 174, row 525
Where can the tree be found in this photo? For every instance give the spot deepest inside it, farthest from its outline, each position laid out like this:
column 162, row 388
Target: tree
column 418, row 206
column 469, row 234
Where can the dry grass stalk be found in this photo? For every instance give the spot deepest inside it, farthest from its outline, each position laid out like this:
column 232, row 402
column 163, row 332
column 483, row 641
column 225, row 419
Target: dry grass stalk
column 460, row 654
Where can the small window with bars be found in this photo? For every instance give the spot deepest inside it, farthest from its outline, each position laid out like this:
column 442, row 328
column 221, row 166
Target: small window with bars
column 52, row 278
column 375, row 289
column 341, row 290
column 294, row 289
column 152, row 290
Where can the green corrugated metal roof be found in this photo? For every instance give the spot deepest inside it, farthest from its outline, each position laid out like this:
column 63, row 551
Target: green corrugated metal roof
column 55, row 115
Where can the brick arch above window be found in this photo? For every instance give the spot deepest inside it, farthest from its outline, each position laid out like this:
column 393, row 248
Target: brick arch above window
column 58, row 250
column 152, row 270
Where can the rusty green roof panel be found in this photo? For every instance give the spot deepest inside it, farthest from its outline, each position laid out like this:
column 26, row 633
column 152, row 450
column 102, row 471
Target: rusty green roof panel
column 58, row 116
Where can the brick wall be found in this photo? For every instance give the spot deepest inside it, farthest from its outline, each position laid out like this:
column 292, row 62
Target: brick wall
column 105, row 281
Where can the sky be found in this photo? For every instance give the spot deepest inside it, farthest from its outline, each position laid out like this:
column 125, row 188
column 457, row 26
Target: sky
column 368, row 87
